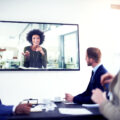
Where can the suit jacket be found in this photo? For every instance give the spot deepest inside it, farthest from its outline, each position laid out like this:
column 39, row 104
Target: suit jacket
column 111, row 108
column 85, row 97
column 5, row 109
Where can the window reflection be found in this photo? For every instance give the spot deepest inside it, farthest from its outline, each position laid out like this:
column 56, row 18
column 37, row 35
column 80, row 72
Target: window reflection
column 70, row 51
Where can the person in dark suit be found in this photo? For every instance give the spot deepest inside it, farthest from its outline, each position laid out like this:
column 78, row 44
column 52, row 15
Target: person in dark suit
column 93, row 58
column 10, row 109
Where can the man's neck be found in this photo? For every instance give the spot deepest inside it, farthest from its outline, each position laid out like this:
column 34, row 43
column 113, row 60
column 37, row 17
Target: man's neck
column 95, row 64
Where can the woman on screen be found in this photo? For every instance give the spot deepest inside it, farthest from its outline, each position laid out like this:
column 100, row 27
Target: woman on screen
column 35, row 55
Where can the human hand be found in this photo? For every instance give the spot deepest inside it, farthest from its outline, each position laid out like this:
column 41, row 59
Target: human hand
column 98, row 96
column 27, row 53
column 23, row 109
column 69, row 97
column 106, row 78
column 40, row 50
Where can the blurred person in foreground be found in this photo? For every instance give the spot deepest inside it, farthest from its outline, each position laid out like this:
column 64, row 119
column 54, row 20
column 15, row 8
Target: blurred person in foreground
column 93, row 59
column 20, row 109
column 109, row 108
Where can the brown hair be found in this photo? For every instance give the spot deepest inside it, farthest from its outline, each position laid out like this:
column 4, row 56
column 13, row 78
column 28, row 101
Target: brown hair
column 94, row 53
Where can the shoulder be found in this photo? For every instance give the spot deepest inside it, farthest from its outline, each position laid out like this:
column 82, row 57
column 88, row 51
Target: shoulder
column 116, row 79
column 119, row 74
column 27, row 48
column 102, row 69
column 44, row 49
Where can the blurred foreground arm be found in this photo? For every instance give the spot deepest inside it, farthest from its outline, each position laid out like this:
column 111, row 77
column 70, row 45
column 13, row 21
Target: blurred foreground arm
column 98, row 96
column 109, row 108
column 106, row 78
column 23, row 109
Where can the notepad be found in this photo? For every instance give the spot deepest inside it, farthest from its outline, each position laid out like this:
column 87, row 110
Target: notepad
column 75, row 111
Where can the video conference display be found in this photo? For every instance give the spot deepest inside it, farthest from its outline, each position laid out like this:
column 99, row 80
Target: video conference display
column 36, row 46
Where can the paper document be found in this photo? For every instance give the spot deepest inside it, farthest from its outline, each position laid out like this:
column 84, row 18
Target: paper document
column 65, row 102
column 75, row 111
column 37, row 108
column 90, row 105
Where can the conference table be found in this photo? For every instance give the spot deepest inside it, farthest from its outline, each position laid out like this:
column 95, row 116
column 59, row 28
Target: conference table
column 56, row 115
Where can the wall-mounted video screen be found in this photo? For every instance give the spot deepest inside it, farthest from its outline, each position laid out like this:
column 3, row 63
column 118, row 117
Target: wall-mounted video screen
column 39, row 46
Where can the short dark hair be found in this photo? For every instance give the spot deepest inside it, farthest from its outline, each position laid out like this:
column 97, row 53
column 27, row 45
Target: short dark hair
column 94, row 53
column 35, row 32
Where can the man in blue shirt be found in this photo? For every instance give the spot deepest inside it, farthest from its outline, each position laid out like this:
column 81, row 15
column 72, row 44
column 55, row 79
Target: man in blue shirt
column 93, row 58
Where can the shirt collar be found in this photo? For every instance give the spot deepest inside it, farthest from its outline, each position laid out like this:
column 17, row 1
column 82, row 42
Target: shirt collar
column 96, row 67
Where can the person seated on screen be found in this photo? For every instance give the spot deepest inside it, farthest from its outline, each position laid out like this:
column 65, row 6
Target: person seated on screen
column 10, row 109
column 93, row 58
column 35, row 55
column 109, row 108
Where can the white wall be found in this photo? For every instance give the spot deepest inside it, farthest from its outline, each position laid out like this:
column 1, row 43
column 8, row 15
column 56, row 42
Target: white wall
column 98, row 27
